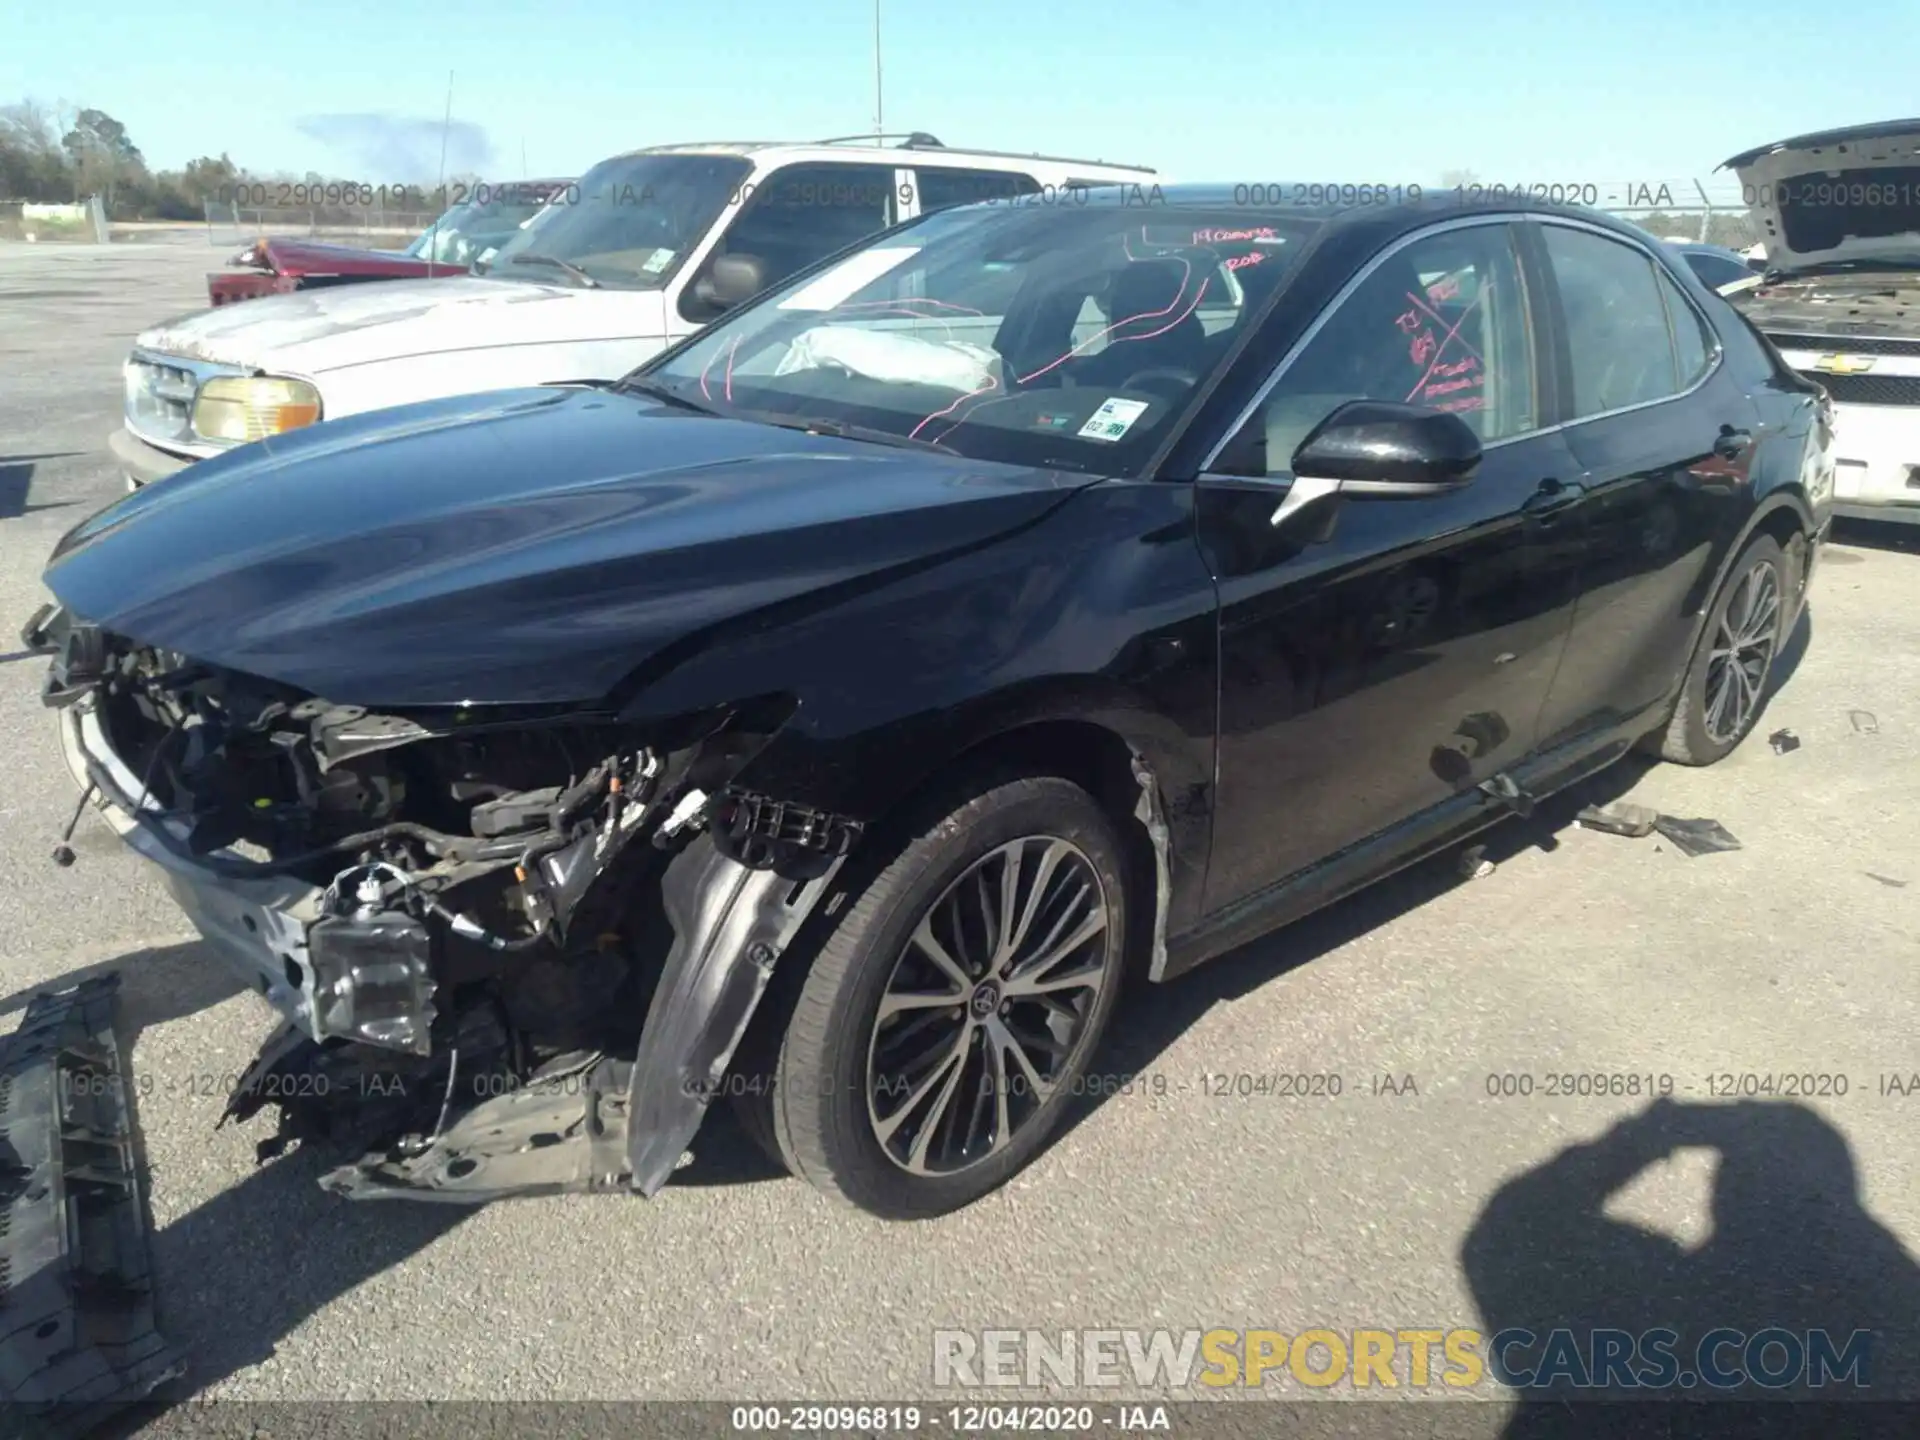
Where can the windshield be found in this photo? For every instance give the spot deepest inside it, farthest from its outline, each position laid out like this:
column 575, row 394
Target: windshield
column 1042, row 335
column 469, row 230
column 629, row 223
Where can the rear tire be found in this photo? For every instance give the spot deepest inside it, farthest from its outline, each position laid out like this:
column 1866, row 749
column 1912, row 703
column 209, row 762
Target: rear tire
column 924, row 1108
column 1727, row 679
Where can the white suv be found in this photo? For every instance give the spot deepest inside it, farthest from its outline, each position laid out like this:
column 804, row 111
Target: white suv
column 649, row 247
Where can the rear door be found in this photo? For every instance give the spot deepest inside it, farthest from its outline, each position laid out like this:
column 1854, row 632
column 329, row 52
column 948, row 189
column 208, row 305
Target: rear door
column 1665, row 435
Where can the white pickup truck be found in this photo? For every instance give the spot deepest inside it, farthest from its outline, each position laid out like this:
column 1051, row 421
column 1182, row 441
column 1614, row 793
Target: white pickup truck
column 658, row 243
column 1839, row 214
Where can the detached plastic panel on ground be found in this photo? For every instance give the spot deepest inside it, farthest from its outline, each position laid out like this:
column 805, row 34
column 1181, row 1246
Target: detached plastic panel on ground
column 78, row 1339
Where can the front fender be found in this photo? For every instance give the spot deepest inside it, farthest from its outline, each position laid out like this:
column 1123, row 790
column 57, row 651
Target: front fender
column 1102, row 613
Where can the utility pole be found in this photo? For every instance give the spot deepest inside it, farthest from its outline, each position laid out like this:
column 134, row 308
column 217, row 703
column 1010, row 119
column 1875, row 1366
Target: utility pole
column 879, row 123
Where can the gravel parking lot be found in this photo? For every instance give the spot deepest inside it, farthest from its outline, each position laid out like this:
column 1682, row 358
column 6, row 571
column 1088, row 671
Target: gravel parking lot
column 1428, row 1204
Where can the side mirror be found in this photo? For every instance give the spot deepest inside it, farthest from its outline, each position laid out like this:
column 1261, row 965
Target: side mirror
column 1382, row 450
column 730, row 280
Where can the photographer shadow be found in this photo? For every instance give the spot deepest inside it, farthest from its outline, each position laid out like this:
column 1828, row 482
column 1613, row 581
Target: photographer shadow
column 243, row 1271
column 1792, row 1248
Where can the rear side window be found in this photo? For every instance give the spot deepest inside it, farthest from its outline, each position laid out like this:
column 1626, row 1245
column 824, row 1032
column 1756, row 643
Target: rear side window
column 1716, row 270
column 941, row 188
column 1751, row 354
column 1618, row 339
column 1692, row 344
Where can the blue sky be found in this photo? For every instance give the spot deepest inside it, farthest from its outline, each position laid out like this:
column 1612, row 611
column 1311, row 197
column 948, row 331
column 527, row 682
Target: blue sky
column 1202, row 89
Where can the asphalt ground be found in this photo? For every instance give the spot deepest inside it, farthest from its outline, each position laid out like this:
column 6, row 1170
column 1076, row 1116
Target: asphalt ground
column 1183, row 1201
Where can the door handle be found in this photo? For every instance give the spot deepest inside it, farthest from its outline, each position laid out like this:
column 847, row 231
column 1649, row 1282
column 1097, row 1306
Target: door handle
column 1552, row 495
column 1732, row 443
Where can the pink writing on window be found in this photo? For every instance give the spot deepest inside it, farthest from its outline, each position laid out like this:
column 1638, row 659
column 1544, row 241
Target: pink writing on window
column 1447, row 387
column 1214, row 237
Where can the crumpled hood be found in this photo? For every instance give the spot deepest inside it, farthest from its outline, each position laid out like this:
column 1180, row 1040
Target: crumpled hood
column 525, row 547
column 311, row 332
column 315, row 257
column 1837, row 195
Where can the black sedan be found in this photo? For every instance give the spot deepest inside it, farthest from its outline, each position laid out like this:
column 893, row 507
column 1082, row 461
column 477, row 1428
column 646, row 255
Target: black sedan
column 834, row 715
column 1717, row 266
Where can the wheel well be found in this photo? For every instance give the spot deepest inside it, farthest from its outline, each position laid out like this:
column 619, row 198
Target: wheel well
column 1096, row 759
column 1092, row 757
column 1783, row 524
column 1099, row 761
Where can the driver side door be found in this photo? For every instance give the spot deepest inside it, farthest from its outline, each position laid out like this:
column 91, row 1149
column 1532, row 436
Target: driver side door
column 1384, row 657
column 794, row 216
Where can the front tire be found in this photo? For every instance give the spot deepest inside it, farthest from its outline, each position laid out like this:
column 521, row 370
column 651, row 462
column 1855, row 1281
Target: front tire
column 950, row 1016
column 1720, row 700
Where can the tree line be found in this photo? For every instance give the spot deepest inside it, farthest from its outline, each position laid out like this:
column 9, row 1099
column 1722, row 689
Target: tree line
column 58, row 155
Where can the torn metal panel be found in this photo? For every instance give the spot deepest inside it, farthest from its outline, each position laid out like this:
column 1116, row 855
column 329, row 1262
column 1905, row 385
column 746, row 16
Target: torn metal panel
column 1149, row 813
column 563, row 1132
column 1632, row 821
column 1697, row 837
column 731, row 924
column 78, row 1338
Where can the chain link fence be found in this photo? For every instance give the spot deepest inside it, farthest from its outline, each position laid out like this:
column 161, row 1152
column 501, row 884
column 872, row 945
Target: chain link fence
column 32, row 222
column 374, row 228
column 1710, row 211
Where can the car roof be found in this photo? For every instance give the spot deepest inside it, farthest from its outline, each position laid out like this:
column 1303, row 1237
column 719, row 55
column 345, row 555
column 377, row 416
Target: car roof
column 1351, row 204
column 915, row 148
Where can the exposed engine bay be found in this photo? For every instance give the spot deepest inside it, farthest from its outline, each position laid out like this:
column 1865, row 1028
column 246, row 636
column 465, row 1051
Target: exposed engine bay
column 513, row 954
column 1835, row 306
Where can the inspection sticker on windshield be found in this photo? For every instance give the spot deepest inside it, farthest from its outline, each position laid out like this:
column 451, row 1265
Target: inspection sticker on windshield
column 657, row 261
column 1113, row 419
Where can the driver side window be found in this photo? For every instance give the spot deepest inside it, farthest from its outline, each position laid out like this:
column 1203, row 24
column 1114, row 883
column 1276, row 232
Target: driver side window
column 804, row 213
column 1441, row 323
column 797, row 215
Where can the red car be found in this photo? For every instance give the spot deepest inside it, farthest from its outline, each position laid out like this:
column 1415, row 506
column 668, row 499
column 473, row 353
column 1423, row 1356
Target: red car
column 448, row 247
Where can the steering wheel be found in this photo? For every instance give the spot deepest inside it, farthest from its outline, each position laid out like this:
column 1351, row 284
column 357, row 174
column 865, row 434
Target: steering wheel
column 1180, row 380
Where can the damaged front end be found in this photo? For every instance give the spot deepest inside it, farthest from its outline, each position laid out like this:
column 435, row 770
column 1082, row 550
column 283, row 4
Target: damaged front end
column 513, row 953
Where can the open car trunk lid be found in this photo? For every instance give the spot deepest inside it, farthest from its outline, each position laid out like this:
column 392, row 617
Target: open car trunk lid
column 1836, row 196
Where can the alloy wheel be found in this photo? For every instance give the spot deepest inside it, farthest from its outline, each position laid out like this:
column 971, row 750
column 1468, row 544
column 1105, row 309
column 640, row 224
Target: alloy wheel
column 988, row 1006
column 1742, row 652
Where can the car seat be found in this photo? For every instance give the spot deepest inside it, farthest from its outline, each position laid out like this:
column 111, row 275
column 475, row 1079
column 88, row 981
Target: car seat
column 1154, row 326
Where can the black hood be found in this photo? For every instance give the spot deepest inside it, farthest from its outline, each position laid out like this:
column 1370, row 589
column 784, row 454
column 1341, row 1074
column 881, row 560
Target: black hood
column 522, row 547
